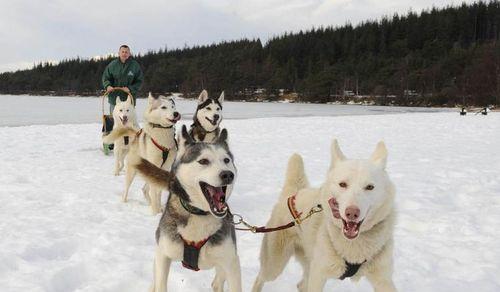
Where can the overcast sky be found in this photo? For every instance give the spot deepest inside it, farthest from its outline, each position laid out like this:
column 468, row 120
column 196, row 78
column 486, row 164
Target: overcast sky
column 52, row 30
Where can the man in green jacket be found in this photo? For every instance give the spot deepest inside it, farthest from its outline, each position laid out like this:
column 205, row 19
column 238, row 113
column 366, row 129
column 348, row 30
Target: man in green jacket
column 121, row 77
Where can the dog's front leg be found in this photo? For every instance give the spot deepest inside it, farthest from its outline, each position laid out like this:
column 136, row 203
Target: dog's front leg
column 118, row 158
column 232, row 270
column 155, row 197
column 129, row 177
column 380, row 273
column 317, row 278
column 381, row 285
column 123, row 154
column 320, row 267
column 220, row 277
column 161, row 270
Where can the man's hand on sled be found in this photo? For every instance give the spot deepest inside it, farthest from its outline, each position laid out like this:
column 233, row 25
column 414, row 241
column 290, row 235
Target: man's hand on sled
column 109, row 89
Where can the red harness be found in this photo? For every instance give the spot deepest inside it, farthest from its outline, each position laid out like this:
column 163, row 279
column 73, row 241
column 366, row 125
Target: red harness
column 164, row 151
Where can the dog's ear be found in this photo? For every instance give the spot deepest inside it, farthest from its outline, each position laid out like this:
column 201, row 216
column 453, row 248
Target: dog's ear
column 379, row 156
column 151, row 98
column 184, row 140
column 129, row 99
column 154, row 102
column 185, row 135
column 203, row 96
column 222, row 139
column 336, row 154
column 172, row 99
column 118, row 100
column 221, row 98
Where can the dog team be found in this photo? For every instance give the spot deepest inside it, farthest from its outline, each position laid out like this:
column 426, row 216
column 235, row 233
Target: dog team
column 351, row 237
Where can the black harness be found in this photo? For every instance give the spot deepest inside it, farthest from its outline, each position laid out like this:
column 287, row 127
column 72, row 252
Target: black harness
column 191, row 248
column 351, row 269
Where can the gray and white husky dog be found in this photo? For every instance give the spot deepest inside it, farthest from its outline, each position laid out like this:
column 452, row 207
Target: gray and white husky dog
column 207, row 118
column 195, row 227
column 155, row 142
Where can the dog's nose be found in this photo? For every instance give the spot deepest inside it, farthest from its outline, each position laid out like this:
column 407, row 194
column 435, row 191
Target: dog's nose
column 216, row 118
column 352, row 213
column 176, row 115
column 227, row 177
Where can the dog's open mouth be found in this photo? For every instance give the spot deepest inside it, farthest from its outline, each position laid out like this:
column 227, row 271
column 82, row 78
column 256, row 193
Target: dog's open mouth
column 350, row 228
column 216, row 198
column 213, row 122
column 124, row 120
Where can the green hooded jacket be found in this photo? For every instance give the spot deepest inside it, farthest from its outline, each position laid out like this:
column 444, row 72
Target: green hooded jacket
column 118, row 74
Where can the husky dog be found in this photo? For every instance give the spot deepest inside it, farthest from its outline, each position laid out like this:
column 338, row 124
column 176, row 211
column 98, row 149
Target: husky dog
column 353, row 237
column 195, row 227
column 155, row 142
column 123, row 116
column 207, row 118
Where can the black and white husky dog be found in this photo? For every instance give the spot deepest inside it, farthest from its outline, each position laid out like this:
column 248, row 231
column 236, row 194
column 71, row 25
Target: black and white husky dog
column 196, row 227
column 207, row 118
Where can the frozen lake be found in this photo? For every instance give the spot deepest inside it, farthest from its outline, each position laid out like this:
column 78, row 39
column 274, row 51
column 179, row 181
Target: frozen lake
column 21, row 110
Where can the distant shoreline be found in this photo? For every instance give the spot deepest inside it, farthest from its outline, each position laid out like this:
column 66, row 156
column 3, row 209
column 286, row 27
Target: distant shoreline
column 351, row 101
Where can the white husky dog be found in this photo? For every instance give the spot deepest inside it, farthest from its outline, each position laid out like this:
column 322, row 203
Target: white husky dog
column 123, row 116
column 195, row 227
column 353, row 237
column 206, row 120
column 156, row 143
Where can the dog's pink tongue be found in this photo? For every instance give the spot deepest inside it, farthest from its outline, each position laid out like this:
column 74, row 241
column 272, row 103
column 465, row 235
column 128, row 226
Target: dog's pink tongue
column 125, row 120
column 351, row 229
column 219, row 198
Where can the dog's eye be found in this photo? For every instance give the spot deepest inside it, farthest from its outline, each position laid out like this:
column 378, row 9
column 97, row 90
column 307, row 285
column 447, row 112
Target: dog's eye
column 163, row 107
column 227, row 160
column 121, row 111
column 369, row 187
column 343, row 185
column 204, row 161
column 128, row 111
column 209, row 108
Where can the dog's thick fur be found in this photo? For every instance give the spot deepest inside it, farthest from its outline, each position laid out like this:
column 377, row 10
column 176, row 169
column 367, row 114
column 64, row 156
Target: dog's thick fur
column 197, row 163
column 355, row 191
column 124, row 117
column 207, row 118
column 160, row 117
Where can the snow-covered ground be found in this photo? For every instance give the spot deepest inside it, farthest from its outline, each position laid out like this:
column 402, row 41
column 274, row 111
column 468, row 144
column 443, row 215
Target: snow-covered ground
column 63, row 226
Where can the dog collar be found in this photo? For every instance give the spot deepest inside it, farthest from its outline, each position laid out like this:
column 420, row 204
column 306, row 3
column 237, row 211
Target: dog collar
column 192, row 209
column 160, row 126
